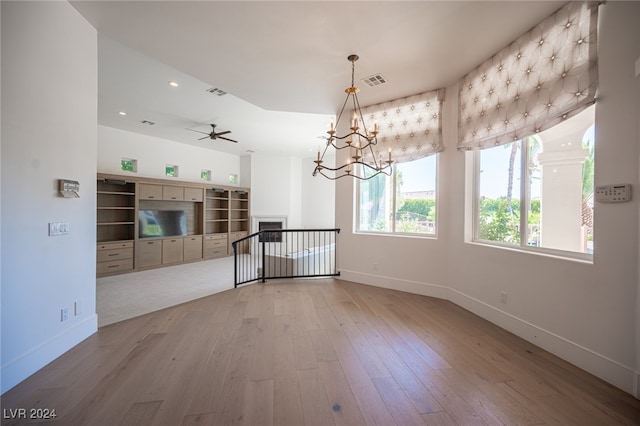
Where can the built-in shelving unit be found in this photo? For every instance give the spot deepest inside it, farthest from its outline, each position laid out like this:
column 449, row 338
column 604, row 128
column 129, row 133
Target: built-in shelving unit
column 214, row 217
column 116, row 208
column 216, row 211
column 115, row 225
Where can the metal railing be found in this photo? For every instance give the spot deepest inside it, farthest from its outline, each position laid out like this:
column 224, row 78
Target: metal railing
column 285, row 253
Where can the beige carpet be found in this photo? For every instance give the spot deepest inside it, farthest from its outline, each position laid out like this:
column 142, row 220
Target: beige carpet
column 121, row 297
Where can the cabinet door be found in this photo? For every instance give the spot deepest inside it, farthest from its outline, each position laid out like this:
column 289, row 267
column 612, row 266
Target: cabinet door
column 193, row 247
column 150, row 192
column 193, row 194
column 172, row 250
column 173, row 193
column 149, row 253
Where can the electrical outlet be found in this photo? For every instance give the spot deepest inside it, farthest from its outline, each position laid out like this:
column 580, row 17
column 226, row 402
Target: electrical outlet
column 64, row 314
column 503, row 297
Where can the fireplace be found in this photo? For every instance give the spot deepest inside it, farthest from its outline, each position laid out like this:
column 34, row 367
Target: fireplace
column 270, row 237
column 267, row 223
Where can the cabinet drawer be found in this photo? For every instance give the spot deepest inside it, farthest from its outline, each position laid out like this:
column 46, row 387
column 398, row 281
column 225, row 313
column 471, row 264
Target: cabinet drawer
column 149, row 253
column 193, row 247
column 215, row 252
column 193, row 194
column 150, row 192
column 173, row 193
column 215, row 243
column 172, row 250
column 112, row 246
column 216, row 237
column 115, row 254
column 114, row 266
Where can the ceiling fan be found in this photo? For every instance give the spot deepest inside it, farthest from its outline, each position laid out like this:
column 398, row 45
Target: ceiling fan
column 214, row 135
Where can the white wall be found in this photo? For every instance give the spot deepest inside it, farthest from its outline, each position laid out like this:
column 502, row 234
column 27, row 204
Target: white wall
column 585, row 313
column 153, row 154
column 283, row 186
column 49, row 110
column 318, row 197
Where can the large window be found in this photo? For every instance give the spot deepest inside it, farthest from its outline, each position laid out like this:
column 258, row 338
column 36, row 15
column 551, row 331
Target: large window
column 538, row 192
column 403, row 203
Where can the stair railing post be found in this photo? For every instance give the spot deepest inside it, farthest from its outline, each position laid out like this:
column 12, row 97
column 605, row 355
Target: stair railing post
column 264, row 257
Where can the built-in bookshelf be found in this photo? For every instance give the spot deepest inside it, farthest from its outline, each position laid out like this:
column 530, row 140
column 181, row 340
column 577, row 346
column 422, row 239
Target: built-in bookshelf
column 216, row 211
column 116, row 211
column 239, row 211
column 209, row 217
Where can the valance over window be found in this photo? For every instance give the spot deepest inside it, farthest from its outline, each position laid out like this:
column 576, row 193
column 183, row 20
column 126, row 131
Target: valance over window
column 544, row 77
column 411, row 127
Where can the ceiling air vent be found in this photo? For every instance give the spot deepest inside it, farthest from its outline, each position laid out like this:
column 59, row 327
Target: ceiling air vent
column 217, row 91
column 147, row 122
column 375, row 80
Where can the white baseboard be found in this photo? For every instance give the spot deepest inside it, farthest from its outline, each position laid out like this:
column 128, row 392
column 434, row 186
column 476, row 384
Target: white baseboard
column 611, row 371
column 414, row 287
column 18, row 369
column 597, row 364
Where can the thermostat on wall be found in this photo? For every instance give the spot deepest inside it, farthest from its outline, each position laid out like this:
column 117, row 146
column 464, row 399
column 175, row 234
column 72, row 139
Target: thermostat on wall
column 613, row 193
column 69, row 188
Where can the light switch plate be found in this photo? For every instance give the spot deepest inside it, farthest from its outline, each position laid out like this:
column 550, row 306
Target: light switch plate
column 58, row 228
column 613, row 193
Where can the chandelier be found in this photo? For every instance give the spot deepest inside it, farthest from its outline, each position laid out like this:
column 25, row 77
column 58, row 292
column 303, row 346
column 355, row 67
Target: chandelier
column 363, row 162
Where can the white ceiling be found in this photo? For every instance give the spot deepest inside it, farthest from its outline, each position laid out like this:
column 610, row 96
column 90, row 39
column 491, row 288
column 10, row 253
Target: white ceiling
column 283, row 64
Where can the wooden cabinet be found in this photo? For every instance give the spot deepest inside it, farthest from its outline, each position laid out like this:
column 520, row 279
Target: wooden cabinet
column 193, row 247
column 215, row 216
column 114, row 257
column 149, row 253
column 193, row 194
column 215, row 246
column 172, row 250
column 149, row 192
column 172, row 193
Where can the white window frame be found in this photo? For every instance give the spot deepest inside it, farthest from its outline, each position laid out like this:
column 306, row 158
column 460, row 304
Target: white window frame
column 356, row 223
column 524, row 194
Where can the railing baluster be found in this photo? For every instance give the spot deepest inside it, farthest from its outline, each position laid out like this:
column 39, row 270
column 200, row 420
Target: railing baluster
column 285, row 253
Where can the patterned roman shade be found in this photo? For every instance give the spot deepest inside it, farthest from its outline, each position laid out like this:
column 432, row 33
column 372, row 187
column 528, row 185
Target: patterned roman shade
column 544, row 77
column 411, row 126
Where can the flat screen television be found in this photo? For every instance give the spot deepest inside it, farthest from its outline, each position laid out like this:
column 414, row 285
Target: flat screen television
column 162, row 223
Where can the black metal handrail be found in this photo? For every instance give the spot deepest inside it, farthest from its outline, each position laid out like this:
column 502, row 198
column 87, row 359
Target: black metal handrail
column 285, row 253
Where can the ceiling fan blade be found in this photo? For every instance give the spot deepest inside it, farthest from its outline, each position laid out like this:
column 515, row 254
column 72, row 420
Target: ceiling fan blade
column 223, row 133
column 206, row 137
column 227, row 139
column 204, row 133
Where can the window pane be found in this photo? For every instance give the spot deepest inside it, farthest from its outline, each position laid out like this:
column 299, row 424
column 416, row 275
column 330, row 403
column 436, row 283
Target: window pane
column 561, row 179
column 128, row 165
column 416, row 196
column 171, row 170
column 499, row 197
column 375, row 204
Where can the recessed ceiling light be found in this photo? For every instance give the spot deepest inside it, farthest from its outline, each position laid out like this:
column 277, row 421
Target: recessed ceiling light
column 122, row 113
column 173, row 83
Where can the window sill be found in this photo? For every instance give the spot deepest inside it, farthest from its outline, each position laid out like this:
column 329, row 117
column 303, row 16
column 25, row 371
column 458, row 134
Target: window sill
column 584, row 258
column 398, row 234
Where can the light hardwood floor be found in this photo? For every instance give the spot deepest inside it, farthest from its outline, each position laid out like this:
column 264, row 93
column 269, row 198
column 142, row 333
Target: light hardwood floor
column 316, row 352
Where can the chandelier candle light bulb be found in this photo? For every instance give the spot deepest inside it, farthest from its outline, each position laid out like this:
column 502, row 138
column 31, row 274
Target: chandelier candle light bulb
column 364, row 142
